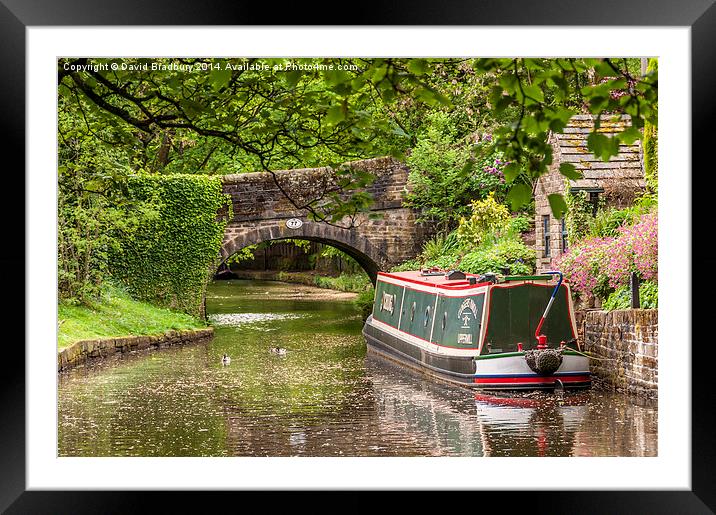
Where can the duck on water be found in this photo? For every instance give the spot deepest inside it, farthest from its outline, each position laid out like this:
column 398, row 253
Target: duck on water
column 518, row 332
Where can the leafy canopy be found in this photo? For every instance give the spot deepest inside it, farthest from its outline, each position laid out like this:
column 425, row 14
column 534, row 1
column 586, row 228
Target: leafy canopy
column 221, row 115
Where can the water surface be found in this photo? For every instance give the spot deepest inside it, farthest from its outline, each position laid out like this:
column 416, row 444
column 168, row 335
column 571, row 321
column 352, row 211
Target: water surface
column 325, row 397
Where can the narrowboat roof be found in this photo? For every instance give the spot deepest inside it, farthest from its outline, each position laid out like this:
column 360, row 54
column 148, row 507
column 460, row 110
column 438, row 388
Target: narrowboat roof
column 440, row 280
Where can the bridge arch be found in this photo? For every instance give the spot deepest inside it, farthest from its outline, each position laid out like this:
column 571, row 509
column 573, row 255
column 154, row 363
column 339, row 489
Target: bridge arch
column 369, row 257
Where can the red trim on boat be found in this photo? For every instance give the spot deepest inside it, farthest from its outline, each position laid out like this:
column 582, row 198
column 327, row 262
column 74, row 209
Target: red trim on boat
column 433, row 285
column 521, row 402
column 535, row 379
column 458, row 285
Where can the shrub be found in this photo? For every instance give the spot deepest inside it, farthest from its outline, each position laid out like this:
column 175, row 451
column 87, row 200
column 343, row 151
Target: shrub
column 364, row 302
column 448, row 170
column 344, row 282
column 510, row 257
column 440, row 245
column 621, row 297
column 608, row 222
column 411, row 264
column 489, row 219
column 598, row 266
column 636, row 249
column 581, row 264
column 518, row 225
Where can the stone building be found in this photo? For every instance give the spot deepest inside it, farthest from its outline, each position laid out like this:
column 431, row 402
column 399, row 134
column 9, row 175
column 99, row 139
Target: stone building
column 615, row 182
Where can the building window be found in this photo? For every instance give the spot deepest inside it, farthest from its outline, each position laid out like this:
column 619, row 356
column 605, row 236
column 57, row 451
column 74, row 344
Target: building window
column 545, row 226
column 594, row 199
column 564, row 235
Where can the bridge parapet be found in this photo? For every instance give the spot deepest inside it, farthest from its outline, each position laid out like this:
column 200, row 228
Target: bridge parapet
column 256, row 195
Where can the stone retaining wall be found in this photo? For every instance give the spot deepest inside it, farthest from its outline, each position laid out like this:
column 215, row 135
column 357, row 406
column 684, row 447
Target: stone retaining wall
column 86, row 350
column 627, row 342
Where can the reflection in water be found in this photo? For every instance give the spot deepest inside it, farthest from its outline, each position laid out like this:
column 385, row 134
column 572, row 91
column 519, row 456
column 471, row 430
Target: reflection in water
column 326, row 397
column 540, row 426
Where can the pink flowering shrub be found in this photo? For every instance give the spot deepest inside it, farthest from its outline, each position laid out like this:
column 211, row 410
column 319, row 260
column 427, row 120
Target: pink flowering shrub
column 582, row 264
column 598, row 266
column 636, row 249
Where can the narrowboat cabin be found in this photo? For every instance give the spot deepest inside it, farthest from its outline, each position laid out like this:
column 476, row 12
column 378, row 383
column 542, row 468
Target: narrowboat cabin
column 517, row 332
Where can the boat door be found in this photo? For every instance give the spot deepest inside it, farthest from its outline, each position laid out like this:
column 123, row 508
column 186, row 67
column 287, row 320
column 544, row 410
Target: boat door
column 458, row 321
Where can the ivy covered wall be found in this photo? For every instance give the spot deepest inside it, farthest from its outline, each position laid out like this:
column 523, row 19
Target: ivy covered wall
column 170, row 258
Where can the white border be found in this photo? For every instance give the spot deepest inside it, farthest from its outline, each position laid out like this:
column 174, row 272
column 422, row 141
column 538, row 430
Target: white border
column 671, row 469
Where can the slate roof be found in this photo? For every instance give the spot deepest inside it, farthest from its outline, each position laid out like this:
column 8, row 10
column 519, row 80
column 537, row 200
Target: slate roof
column 571, row 147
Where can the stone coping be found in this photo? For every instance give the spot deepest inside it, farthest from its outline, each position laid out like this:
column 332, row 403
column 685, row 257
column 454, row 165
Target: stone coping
column 86, row 350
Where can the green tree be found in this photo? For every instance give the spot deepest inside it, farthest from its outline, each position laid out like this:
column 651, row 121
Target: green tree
column 92, row 207
column 546, row 94
column 261, row 114
column 267, row 114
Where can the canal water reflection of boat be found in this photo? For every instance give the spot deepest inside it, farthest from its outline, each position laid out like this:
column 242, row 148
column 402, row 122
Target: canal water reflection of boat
column 458, row 422
column 490, row 425
column 546, row 424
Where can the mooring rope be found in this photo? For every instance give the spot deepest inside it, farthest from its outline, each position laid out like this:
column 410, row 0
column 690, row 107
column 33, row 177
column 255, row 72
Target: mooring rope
column 590, row 357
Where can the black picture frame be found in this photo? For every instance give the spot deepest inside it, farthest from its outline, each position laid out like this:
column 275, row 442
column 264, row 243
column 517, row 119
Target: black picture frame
column 17, row 15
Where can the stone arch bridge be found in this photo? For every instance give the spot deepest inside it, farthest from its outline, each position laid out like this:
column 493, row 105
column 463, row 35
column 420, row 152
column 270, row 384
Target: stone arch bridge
column 261, row 212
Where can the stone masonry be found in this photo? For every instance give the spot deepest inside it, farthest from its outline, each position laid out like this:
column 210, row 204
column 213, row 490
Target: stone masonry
column 378, row 242
column 91, row 350
column 626, row 345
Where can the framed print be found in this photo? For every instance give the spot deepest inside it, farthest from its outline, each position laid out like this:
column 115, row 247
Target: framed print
column 51, row 465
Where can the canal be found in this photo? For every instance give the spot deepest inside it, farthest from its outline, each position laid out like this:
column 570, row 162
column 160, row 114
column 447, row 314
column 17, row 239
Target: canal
column 325, row 397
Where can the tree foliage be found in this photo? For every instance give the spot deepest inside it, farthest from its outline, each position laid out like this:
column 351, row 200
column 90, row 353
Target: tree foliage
column 248, row 114
column 450, row 169
column 224, row 115
column 93, row 209
column 452, row 118
column 547, row 93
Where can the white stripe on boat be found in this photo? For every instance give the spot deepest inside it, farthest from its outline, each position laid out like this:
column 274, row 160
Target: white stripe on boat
column 423, row 344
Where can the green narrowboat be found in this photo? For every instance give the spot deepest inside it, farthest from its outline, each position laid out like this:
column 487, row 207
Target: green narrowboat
column 517, row 332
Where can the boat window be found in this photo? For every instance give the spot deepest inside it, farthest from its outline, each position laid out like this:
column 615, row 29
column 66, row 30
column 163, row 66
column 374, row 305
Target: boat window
column 412, row 312
column 427, row 316
column 444, row 320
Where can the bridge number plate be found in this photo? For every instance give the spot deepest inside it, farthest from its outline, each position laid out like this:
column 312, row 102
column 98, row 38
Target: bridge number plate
column 294, row 223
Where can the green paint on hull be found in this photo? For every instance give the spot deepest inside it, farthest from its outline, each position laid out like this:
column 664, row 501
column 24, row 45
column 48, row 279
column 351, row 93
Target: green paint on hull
column 387, row 303
column 418, row 313
column 458, row 322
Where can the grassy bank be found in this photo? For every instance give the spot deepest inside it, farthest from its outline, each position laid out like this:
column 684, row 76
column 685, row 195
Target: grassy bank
column 359, row 283
column 356, row 283
column 117, row 314
column 353, row 283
